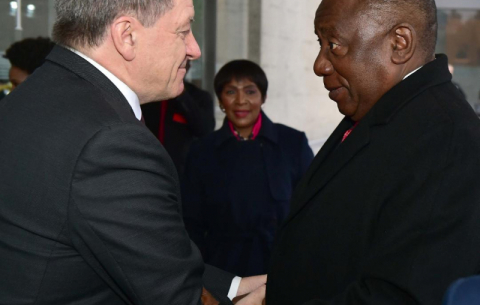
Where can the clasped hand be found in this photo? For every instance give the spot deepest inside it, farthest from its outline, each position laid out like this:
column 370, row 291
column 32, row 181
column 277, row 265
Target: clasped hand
column 251, row 291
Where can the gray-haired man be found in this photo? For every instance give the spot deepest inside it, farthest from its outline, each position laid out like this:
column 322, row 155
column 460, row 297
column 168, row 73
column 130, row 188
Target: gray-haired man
column 89, row 200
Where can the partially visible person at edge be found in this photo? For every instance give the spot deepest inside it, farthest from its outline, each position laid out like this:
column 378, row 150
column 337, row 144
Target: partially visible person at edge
column 239, row 179
column 90, row 200
column 178, row 122
column 25, row 56
column 388, row 213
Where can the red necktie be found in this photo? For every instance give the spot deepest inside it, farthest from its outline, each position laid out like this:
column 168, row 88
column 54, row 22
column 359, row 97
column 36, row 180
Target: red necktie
column 161, row 125
column 348, row 132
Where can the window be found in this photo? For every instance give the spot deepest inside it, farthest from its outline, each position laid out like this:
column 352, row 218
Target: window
column 459, row 38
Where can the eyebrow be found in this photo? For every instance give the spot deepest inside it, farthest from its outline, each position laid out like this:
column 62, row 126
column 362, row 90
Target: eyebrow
column 244, row 87
column 330, row 31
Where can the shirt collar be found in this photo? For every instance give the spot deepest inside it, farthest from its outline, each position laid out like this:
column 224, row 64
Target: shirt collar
column 267, row 131
column 412, row 72
column 131, row 97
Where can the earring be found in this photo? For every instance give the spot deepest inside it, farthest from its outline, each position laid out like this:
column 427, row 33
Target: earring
column 222, row 109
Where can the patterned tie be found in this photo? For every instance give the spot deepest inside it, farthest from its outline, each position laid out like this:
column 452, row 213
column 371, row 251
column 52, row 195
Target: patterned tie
column 348, row 132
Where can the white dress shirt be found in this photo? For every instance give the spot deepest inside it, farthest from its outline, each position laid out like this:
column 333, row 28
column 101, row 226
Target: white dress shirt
column 412, row 72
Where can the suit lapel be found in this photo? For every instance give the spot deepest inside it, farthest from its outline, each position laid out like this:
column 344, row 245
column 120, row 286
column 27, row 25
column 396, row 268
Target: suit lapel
column 329, row 161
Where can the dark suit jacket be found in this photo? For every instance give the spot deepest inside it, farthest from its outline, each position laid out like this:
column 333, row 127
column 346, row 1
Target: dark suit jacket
column 391, row 215
column 236, row 194
column 186, row 118
column 89, row 199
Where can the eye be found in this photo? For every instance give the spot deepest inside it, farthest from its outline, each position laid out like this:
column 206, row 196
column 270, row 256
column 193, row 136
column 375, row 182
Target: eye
column 251, row 92
column 332, row 45
column 229, row 92
column 184, row 34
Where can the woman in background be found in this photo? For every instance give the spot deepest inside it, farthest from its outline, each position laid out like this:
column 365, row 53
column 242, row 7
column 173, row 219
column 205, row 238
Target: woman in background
column 239, row 179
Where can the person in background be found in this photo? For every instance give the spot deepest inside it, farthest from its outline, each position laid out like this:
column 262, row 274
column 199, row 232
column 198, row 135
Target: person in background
column 25, row 56
column 239, row 179
column 177, row 122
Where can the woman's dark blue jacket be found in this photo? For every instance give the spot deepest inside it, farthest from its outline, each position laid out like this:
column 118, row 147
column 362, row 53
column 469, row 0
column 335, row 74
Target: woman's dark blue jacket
column 237, row 193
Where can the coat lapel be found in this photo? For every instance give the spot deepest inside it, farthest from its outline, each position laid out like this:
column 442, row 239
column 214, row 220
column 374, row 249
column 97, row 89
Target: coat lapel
column 329, row 161
column 326, row 149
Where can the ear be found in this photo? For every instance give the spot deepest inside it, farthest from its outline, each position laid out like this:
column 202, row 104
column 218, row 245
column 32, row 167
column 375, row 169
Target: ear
column 264, row 99
column 404, row 42
column 123, row 31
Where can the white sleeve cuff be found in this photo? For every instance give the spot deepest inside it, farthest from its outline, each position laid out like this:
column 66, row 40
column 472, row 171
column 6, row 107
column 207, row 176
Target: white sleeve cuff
column 234, row 287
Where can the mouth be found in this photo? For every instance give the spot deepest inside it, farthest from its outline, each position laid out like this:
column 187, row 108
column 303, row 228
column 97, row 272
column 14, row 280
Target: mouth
column 241, row 113
column 335, row 92
column 183, row 65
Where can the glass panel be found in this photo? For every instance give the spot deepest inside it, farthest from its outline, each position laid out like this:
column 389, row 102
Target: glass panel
column 459, row 38
column 35, row 20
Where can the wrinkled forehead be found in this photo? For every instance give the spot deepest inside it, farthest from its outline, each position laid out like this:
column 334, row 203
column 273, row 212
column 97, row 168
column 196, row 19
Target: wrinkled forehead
column 336, row 14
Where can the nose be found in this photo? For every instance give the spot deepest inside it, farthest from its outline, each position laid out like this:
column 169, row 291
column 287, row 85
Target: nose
column 193, row 50
column 322, row 66
column 240, row 98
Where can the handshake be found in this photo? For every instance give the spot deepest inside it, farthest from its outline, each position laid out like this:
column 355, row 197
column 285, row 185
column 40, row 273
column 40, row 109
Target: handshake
column 250, row 292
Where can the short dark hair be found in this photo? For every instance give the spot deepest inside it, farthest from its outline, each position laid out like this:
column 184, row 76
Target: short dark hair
column 241, row 69
column 423, row 12
column 84, row 22
column 30, row 53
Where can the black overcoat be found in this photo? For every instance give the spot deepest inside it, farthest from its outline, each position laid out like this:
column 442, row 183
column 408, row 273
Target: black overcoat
column 233, row 227
column 391, row 215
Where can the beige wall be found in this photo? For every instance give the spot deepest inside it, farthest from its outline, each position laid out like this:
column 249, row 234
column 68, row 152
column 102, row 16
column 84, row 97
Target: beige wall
column 289, row 47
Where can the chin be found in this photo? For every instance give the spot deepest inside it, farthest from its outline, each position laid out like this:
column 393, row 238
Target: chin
column 347, row 109
column 174, row 92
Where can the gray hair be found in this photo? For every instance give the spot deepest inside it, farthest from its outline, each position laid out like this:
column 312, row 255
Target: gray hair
column 82, row 23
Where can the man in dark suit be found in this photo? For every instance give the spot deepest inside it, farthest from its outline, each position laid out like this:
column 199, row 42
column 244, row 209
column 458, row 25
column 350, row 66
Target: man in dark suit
column 178, row 122
column 89, row 199
column 388, row 212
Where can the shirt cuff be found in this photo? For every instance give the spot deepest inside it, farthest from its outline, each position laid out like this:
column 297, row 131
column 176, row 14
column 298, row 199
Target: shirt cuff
column 234, row 287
